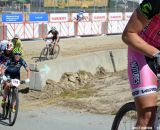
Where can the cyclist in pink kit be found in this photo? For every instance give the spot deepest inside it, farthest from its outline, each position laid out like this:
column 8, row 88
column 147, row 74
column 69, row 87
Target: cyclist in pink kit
column 142, row 35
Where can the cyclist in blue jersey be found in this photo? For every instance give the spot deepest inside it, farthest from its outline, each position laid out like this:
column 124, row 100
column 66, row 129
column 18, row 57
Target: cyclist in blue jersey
column 80, row 15
column 13, row 67
column 15, row 63
column 142, row 35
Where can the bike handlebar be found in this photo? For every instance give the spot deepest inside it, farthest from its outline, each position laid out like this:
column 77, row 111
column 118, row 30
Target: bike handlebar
column 21, row 81
column 8, row 79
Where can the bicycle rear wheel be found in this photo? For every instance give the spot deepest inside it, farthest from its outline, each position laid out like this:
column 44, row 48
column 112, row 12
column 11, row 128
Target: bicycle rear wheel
column 125, row 118
column 13, row 99
column 43, row 54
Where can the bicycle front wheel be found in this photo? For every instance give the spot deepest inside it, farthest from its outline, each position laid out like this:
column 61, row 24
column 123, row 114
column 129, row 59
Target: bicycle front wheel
column 44, row 54
column 14, row 102
column 56, row 51
column 125, row 118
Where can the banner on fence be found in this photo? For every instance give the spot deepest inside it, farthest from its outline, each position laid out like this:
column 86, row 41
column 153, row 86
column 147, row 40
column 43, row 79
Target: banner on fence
column 59, row 17
column 127, row 15
column 115, row 16
column 12, row 18
column 99, row 17
column 38, row 17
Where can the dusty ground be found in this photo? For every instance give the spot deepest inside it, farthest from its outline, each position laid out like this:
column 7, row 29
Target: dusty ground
column 100, row 93
column 75, row 46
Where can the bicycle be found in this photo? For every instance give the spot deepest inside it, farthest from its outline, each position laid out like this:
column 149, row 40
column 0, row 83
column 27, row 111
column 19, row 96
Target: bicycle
column 48, row 52
column 83, row 18
column 12, row 97
column 126, row 116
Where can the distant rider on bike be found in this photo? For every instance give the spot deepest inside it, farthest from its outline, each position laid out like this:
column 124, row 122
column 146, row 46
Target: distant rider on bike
column 55, row 36
column 80, row 15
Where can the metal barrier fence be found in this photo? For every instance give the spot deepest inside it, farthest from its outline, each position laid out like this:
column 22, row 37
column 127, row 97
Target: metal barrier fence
column 94, row 24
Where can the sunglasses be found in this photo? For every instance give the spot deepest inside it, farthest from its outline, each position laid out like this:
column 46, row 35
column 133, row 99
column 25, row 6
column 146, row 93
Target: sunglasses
column 17, row 54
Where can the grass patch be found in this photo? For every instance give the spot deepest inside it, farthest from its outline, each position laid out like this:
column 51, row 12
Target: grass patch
column 80, row 93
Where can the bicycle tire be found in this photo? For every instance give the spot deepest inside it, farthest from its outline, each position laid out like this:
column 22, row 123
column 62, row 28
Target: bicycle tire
column 128, row 107
column 43, row 54
column 50, row 52
column 13, row 92
column 56, row 52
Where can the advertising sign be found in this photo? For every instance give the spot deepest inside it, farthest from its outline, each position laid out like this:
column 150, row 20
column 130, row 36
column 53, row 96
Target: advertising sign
column 127, row 15
column 115, row 16
column 38, row 17
column 12, row 18
column 59, row 17
column 99, row 17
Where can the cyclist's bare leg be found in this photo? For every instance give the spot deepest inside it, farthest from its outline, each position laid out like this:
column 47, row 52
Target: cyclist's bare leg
column 146, row 109
column 6, row 89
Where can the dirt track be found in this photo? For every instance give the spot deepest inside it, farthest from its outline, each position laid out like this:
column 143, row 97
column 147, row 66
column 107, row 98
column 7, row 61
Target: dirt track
column 75, row 46
column 102, row 93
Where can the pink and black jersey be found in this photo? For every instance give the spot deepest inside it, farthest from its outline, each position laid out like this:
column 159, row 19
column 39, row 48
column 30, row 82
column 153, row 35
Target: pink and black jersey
column 141, row 69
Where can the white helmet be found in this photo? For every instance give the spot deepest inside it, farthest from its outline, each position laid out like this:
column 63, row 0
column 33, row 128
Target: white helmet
column 16, row 36
column 53, row 28
column 9, row 46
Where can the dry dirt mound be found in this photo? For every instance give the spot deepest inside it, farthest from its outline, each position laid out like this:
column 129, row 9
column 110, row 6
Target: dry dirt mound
column 100, row 93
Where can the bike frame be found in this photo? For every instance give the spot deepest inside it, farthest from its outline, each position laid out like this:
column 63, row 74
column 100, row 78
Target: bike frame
column 48, row 51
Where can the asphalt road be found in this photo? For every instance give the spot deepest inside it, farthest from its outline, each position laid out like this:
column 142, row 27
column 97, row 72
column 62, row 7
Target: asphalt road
column 53, row 118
